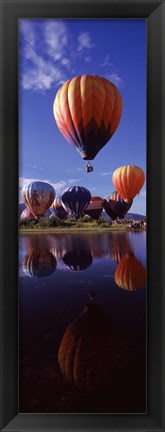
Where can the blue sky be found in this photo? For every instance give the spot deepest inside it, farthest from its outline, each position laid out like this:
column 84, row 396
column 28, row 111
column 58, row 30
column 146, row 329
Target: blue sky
column 53, row 51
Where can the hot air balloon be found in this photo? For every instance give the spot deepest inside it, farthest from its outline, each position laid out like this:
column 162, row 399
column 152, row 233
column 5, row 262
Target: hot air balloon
column 38, row 197
column 57, row 208
column 87, row 110
column 26, row 215
column 39, row 263
column 128, row 181
column 115, row 206
column 78, row 260
column 76, row 199
column 92, row 353
column 130, row 274
column 95, row 207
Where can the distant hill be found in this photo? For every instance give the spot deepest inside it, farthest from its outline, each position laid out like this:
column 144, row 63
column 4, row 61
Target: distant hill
column 128, row 216
column 134, row 216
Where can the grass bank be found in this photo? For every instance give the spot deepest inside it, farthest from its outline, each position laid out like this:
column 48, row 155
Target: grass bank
column 73, row 229
column 54, row 225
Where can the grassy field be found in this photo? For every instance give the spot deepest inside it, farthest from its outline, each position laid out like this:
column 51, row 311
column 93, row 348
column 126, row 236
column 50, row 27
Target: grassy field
column 74, row 228
column 70, row 225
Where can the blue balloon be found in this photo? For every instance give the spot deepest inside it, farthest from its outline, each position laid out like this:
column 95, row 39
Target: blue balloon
column 76, row 199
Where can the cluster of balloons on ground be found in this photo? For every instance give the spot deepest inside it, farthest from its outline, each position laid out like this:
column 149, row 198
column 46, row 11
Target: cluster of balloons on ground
column 39, row 197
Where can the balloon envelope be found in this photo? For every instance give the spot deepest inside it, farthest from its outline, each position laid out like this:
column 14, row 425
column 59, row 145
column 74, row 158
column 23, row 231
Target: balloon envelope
column 95, row 207
column 26, row 215
column 128, row 181
column 38, row 197
column 76, row 199
column 87, row 110
column 115, row 206
column 57, row 208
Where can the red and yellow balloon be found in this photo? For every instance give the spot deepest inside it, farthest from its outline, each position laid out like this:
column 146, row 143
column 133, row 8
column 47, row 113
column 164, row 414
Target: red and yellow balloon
column 87, row 110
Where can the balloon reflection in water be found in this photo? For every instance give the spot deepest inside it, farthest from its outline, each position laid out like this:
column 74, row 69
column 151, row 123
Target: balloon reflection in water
column 78, row 260
column 39, row 261
column 92, row 353
column 130, row 274
column 119, row 246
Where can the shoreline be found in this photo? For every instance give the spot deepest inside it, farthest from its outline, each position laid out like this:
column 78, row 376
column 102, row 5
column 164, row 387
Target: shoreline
column 76, row 230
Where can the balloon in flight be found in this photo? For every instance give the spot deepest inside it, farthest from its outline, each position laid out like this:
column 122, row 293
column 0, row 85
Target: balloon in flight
column 87, row 110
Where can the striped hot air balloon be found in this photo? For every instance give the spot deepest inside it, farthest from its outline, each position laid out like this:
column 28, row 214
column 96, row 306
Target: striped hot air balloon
column 26, row 215
column 128, row 181
column 76, row 199
column 115, row 206
column 57, row 208
column 39, row 263
column 87, row 110
column 38, row 197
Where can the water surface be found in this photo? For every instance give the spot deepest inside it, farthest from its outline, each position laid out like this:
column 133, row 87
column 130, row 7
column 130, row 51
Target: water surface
column 100, row 365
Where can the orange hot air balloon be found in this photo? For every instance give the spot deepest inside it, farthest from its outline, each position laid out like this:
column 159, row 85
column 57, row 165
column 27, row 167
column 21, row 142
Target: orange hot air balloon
column 130, row 274
column 128, row 181
column 87, row 110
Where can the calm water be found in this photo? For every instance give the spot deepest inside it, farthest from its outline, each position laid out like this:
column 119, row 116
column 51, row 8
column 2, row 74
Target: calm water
column 98, row 363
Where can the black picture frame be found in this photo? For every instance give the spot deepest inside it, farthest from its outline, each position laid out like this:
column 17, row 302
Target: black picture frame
column 154, row 12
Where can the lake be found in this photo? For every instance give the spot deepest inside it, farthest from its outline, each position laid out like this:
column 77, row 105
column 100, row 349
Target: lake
column 82, row 323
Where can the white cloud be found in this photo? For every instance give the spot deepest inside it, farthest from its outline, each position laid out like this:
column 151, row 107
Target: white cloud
column 88, row 59
column 116, row 79
column 56, row 38
column 106, row 62
column 65, row 62
column 84, row 41
column 106, row 173
column 38, row 74
column 43, row 60
column 73, row 181
column 27, row 31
